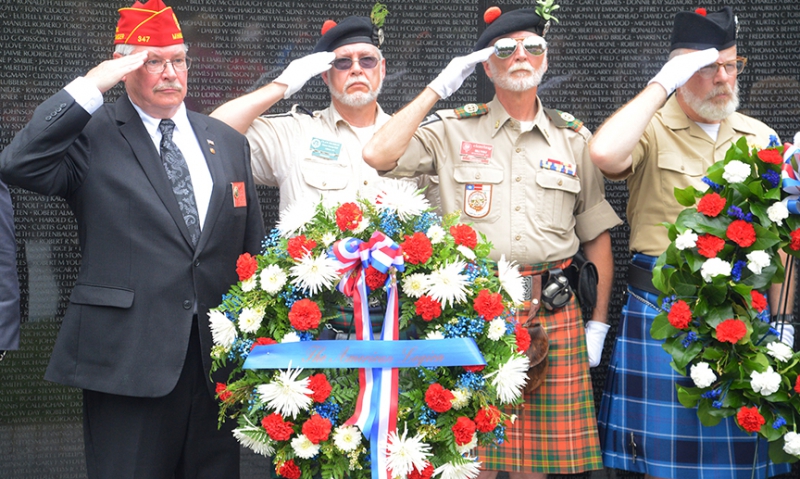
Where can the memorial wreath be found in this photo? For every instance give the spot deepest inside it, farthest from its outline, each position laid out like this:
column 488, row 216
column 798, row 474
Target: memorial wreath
column 427, row 400
column 723, row 256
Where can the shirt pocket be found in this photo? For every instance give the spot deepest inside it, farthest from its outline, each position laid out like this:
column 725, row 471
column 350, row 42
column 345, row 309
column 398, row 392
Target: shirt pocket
column 479, row 193
column 325, row 174
column 556, row 194
column 679, row 171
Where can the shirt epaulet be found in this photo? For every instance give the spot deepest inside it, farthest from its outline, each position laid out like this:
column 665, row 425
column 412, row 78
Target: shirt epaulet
column 471, row 109
column 562, row 119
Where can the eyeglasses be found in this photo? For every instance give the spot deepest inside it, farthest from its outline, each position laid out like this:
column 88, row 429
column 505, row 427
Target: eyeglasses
column 732, row 67
column 366, row 63
column 505, row 47
column 158, row 66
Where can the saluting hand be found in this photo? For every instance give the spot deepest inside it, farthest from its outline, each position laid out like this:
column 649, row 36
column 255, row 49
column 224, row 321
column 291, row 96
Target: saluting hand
column 110, row 72
column 459, row 68
column 303, row 69
column 677, row 71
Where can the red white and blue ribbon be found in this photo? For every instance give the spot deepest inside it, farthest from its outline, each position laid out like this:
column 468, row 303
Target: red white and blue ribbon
column 790, row 182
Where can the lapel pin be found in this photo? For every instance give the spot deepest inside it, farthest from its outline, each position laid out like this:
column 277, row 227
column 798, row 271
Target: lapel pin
column 211, row 147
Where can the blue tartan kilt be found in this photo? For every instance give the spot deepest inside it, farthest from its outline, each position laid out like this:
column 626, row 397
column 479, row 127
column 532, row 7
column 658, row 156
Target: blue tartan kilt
column 643, row 428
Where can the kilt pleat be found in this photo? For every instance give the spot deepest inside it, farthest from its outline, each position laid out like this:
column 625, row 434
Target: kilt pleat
column 643, row 427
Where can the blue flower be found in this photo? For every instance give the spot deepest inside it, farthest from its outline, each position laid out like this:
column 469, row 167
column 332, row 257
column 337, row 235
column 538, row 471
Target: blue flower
column 390, row 225
column 471, row 381
column 464, row 328
column 773, row 141
column 499, row 431
column 427, row 415
column 736, row 212
column 717, row 404
column 773, row 177
column 272, row 240
column 305, row 335
column 289, row 297
column 329, row 411
column 779, row 422
column 736, row 271
column 713, row 394
column 425, row 221
column 714, row 186
column 689, row 339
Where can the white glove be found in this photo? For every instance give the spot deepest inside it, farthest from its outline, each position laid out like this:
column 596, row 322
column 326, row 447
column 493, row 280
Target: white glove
column 785, row 332
column 303, row 69
column 457, row 71
column 595, row 339
column 677, row 71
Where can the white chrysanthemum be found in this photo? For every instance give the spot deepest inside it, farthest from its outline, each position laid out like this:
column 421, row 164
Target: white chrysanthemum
column 461, row 397
column 765, row 383
column 778, row 212
column 296, row 217
column 435, row 334
column 362, row 225
column 250, row 319
column 702, row 375
column 447, row 285
column 290, row 337
column 468, row 446
column 347, row 438
column 791, row 443
column 312, row 275
column 223, row 331
column 714, row 267
column 510, row 279
column 780, row 351
column 436, row 234
column 286, row 394
column 686, row 240
column 249, row 284
column 272, row 279
column 736, row 171
column 304, row 448
column 415, row 285
column 259, row 447
column 510, row 378
column 466, row 252
column 497, row 329
column 328, row 238
column 757, row 261
column 466, row 470
column 404, row 454
column 402, row 197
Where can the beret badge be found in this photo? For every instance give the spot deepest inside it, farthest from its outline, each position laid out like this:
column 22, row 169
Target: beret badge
column 378, row 18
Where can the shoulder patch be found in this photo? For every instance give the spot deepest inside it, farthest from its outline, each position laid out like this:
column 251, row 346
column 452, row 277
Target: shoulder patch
column 562, row 119
column 471, row 109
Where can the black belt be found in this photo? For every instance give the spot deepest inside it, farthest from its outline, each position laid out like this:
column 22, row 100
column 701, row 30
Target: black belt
column 641, row 278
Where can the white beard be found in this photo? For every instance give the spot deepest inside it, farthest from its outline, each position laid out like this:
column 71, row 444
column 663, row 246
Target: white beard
column 507, row 81
column 359, row 98
column 708, row 110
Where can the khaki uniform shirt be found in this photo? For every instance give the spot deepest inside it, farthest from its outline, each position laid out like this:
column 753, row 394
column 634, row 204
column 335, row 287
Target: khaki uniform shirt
column 674, row 152
column 535, row 194
column 308, row 156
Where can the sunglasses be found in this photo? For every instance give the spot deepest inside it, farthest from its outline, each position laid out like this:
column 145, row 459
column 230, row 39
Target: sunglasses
column 505, row 47
column 366, row 63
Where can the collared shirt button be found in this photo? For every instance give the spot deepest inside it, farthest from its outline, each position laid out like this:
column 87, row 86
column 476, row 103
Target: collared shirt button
column 518, row 237
column 560, row 182
column 477, row 176
column 519, row 149
column 366, row 182
column 324, row 183
column 187, row 304
column 517, row 208
column 518, row 179
column 683, row 167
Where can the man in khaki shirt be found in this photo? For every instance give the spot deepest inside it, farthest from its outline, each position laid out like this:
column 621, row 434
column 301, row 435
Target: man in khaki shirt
column 305, row 154
column 658, row 147
column 522, row 176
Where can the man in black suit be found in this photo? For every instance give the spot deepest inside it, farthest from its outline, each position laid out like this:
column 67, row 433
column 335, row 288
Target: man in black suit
column 9, row 283
column 165, row 204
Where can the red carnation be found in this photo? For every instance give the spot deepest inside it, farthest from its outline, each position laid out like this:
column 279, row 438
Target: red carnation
column 797, row 385
column 417, row 248
column 463, row 430
column 375, row 279
column 491, row 14
column 304, row 315
column 438, row 398
column 709, row 245
column 731, row 331
column 701, row 11
column 680, row 315
column 428, row 308
column 742, row 233
column 299, row 246
column 262, row 342
column 277, row 429
column 463, row 234
column 320, row 386
column 487, row 419
column 758, row 300
column 770, row 156
column 795, row 239
column 711, row 204
column 317, row 429
column 474, row 369
column 289, row 470
column 523, row 338
column 425, row 474
column 750, row 419
column 246, row 265
column 489, row 305
column 222, row 392
column 348, row 216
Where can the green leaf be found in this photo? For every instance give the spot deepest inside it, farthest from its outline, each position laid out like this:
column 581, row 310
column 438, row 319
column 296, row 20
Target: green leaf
column 719, row 314
column 688, row 396
column 761, row 281
column 778, row 455
column 686, row 196
column 682, row 356
column 661, row 329
column 708, row 414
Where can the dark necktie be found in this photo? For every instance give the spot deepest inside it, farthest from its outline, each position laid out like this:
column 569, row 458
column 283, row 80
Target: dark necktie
column 179, row 177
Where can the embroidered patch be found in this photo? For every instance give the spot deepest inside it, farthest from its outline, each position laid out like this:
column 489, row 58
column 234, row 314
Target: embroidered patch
column 471, row 109
column 239, row 194
column 559, row 166
column 572, row 122
column 477, row 200
column 325, row 149
column 476, row 152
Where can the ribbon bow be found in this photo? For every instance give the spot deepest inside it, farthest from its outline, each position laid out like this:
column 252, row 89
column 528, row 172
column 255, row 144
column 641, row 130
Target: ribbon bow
column 789, row 177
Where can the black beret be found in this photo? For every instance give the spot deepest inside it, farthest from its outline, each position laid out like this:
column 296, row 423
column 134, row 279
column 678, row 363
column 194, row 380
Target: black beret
column 699, row 32
column 350, row 30
column 513, row 21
